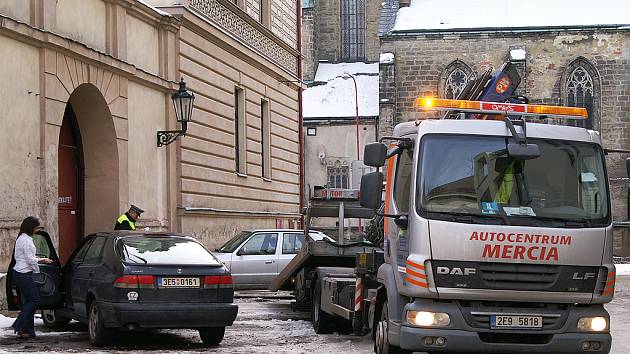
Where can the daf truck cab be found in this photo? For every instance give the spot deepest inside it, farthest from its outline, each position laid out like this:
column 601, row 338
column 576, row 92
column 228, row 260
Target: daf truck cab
column 497, row 233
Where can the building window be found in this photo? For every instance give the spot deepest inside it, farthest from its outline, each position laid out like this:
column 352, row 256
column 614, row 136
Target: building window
column 307, row 4
column 581, row 89
column 352, row 30
column 311, row 131
column 454, row 79
column 240, row 140
column 338, row 176
column 265, row 139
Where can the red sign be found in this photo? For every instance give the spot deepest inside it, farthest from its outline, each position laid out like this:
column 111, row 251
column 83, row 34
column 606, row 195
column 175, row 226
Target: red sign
column 505, row 107
column 502, row 85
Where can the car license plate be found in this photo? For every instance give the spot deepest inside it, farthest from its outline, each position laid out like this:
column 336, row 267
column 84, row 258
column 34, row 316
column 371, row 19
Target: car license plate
column 497, row 321
column 179, row 282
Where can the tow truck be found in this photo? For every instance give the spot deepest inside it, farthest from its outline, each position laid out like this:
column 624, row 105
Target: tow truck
column 497, row 234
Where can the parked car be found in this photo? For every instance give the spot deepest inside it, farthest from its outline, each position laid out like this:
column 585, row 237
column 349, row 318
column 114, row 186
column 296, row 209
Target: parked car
column 254, row 257
column 133, row 280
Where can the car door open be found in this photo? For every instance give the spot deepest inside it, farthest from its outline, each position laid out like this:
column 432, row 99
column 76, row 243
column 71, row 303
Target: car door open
column 47, row 280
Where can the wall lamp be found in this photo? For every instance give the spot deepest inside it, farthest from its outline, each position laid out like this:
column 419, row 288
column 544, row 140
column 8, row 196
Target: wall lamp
column 183, row 103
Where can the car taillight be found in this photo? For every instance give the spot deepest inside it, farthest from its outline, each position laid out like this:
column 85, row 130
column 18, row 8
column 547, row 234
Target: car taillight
column 216, row 281
column 226, row 281
column 211, row 281
column 134, row 281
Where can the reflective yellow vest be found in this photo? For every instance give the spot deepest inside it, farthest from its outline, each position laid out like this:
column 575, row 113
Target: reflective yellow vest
column 124, row 217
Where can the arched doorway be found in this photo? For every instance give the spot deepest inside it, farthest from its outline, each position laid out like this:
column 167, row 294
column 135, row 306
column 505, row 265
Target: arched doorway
column 70, row 201
column 88, row 168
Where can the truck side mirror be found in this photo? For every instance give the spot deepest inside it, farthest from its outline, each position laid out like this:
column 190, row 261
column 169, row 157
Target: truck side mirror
column 374, row 154
column 523, row 151
column 628, row 166
column 371, row 190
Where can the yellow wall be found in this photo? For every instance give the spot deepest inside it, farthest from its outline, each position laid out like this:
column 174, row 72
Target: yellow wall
column 147, row 162
column 83, row 21
column 142, row 45
column 20, row 117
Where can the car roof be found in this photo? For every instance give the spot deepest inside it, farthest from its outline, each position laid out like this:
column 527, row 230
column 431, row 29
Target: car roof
column 280, row 230
column 126, row 233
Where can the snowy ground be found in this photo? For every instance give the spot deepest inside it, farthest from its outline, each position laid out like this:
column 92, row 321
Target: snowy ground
column 264, row 325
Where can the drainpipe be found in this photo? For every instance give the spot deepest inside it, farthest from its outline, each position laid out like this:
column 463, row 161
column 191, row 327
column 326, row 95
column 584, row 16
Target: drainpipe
column 300, row 115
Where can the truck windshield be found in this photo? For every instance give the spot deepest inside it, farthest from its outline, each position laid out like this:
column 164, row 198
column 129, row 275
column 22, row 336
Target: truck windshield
column 473, row 176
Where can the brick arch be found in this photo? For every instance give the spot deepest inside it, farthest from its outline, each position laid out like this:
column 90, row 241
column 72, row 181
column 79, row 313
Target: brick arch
column 595, row 114
column 451, row 69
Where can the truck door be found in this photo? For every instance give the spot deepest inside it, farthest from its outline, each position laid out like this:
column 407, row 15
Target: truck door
column 256, row 262
column 47, row 280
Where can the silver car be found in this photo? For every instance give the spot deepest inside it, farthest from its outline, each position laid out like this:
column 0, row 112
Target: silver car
column 256, row 257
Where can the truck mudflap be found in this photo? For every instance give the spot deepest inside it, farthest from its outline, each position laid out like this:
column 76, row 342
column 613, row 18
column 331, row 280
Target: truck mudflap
column 470, row 329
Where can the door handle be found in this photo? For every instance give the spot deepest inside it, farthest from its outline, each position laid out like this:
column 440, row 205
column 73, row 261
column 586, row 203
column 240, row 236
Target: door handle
column 268, row 262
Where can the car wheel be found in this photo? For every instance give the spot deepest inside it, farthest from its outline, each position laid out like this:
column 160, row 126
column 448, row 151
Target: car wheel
column 212, row 335
column 53, row 320
column 322, row 322
column 99, row 335
column 381, row 341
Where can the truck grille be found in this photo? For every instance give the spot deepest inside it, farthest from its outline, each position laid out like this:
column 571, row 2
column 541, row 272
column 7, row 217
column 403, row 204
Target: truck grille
column 530, row 277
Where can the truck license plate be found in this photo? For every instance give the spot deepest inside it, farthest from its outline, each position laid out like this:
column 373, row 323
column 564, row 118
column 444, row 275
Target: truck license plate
column 179, row 282
column 497, row 321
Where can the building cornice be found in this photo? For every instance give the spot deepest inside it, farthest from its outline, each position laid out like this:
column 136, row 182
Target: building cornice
column 235, row 23
column 44, row 39
column 500, row 31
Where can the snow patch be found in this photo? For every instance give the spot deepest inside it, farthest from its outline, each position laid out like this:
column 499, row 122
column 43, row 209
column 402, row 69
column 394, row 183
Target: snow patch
column 153, row 8
column 622, row 269
column 387, row 58
column 331, row 95
column 453, row 14
column 517, row 54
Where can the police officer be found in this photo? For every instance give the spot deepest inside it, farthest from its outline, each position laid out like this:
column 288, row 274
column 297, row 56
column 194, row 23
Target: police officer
column 127, row 221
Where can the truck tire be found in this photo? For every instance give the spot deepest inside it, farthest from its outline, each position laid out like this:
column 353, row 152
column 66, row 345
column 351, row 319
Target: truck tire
column 212, row 335
column 381, row 342
column 323, row 323
column 53, row 320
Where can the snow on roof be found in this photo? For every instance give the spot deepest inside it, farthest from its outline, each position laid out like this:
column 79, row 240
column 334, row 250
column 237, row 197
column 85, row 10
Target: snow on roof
column 330, row 96
column 454, row 14
column 153, row 8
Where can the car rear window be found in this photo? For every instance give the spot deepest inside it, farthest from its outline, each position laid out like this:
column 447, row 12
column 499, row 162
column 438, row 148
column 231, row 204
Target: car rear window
column 164, row 250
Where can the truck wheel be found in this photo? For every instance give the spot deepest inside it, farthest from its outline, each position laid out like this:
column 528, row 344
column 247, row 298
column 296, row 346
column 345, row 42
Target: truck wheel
column 381, row 342
column 322, row 322
column 212, row 335
column 52, row 319
column 99, row 335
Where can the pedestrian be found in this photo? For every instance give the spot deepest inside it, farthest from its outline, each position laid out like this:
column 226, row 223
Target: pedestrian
column 127, row 221
column 26, row 264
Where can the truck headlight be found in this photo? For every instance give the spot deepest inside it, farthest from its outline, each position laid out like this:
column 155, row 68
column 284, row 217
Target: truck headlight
column 428, row 319
column 595, row 324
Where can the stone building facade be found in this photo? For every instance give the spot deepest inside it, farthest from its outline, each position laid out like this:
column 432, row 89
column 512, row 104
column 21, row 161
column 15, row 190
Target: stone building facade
column 559, row 66
column 328, row 31
column 88, row 83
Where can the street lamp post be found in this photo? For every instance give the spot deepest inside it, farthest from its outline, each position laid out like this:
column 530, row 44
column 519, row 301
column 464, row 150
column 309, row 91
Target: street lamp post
column 347, row 76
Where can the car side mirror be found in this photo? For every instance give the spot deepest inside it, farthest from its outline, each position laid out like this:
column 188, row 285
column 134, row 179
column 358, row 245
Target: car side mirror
column 523, row 151
column 371, row 192
column 374, row 154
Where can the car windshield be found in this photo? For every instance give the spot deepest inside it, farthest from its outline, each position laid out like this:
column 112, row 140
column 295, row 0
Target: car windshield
column 164, row 250
column 474, row 176
column 234, row 242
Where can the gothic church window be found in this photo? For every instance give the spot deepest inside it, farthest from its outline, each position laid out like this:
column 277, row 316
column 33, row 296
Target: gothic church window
column 581, row 89
column 454, row 79
column 352, row 30
column 338, row 176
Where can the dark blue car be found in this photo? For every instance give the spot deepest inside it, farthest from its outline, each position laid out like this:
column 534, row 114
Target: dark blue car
column 133, row 280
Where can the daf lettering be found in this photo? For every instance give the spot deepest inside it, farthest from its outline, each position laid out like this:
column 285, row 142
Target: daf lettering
column 586, row 276
column 456, row 271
